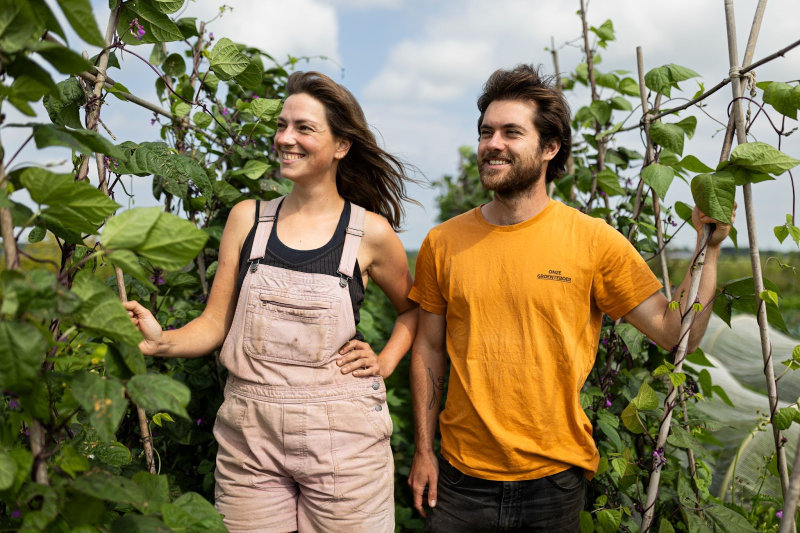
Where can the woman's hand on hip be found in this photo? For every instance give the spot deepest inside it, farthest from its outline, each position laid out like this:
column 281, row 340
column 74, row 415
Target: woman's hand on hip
column 144, row 320
column 358, row 358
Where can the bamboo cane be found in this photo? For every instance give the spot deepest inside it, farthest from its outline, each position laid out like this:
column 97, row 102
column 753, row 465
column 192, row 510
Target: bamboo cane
column 755, row 259
column 601, row 144
column 94, row 116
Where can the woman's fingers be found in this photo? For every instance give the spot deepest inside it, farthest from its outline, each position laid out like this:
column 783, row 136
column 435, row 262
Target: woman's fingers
column 360, row 363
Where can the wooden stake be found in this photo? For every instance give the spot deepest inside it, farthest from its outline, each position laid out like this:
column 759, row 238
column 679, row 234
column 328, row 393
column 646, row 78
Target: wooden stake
column 755, row 259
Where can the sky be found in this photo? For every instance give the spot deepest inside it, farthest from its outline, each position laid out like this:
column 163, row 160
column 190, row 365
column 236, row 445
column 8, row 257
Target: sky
column 417, row 68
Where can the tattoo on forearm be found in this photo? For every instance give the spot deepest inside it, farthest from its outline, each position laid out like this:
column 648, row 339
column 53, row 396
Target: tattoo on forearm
column 436, row 383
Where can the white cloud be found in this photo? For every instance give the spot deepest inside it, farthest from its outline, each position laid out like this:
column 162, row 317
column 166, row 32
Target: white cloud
column 366, row 4
column 298, row 27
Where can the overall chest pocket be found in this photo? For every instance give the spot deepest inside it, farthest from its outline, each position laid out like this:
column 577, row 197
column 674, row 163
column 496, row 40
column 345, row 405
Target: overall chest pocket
column 289, row 326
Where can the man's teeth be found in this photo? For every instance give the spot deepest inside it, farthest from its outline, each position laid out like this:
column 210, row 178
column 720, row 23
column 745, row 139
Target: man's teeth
column 292, row 156
column 498, row 162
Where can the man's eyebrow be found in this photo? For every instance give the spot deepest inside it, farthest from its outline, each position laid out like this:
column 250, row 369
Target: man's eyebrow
column 508, row 125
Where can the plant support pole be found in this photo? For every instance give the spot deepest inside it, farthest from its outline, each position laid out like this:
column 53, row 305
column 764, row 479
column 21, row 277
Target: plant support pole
column 669, row 403
column 755, row 259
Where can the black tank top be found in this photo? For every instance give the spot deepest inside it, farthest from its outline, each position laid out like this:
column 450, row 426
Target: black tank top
column 324, row 260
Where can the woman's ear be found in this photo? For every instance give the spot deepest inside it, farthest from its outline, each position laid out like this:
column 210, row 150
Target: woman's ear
column 342, row 147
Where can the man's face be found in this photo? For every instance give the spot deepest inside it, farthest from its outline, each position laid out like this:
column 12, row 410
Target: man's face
column 510, row 159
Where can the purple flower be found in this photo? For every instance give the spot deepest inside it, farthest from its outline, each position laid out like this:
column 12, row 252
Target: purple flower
column 26, row 432
column 13, row 404
column 136, row 29
column 608, row 402
column 199, row 421
column 211, row 36
column 779, row 514
column 659, row 458
column 16, row 514
column 152, row 121
column 224, row 111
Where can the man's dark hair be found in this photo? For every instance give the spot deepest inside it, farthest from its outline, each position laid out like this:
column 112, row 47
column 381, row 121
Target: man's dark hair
column 551, row 118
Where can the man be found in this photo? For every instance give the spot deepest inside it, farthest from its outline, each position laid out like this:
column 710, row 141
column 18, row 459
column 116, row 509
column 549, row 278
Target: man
column 514, row 292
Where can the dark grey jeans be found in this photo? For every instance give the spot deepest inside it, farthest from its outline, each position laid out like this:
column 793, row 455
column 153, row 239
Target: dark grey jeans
column 469, row 504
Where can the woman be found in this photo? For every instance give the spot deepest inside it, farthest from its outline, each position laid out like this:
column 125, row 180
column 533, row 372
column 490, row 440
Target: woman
column 304, row 430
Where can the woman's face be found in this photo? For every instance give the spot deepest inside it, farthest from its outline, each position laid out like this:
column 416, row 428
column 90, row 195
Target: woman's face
column 305, row 144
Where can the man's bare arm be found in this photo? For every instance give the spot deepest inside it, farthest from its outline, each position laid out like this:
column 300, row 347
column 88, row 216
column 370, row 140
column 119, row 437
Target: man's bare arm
column 428, row 365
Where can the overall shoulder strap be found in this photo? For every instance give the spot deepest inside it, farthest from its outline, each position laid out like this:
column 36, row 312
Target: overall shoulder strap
column 266, row 219
column 352, row 240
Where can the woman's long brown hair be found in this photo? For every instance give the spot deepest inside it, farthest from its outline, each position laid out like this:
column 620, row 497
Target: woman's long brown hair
column 368, row 175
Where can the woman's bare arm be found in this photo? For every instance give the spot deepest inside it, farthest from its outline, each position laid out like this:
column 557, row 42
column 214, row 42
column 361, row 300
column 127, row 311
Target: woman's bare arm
column 207, row 332
column 384, row 259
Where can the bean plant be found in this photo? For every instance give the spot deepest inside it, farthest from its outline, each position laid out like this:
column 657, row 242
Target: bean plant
column 94, row 437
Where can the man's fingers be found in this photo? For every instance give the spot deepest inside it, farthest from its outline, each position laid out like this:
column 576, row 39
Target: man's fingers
column 417, row 491
column 432, row 486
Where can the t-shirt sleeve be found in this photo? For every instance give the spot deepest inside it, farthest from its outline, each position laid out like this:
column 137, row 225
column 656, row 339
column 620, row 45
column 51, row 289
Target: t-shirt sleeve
column 622, row 278
column 426, row 290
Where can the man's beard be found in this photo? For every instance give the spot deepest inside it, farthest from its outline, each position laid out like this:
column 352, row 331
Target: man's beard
column 521, row 177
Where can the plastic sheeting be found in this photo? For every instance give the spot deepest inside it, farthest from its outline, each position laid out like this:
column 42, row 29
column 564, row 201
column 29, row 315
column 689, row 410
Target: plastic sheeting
column 739, row 369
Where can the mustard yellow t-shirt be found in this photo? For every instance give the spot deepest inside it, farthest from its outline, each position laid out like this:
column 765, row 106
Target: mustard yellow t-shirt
column 523, row 305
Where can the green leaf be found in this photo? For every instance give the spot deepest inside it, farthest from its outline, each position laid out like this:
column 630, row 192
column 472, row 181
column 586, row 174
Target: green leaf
column 611, row 433
column 130, row 228
column 72, row 462
column 108, row 487
column 692, row 164
column 784, row 418
column 253, row 169
column 252, row 76
column 63, row 59
column 630, row 418
column 64, row 111
column 158, row 55
column 658, row 80
column 201, row 119
column 659, row 177
column 156, row 488
column 714, row 195
column 229, row 194
column 81, row 18
column 684, row 211
column 22, row 66
column 156, row 392
column 680, row 438
column 688, row 125
column 632, row 338
column 226, row 61
column 770, row 297
column 18, row 26
column 159, row 417
column 101, row 312
column 621, row 104
column 719, row 391
column 670, row 136
column 21, row 355
column 727, row 520
column 160, row 160
column 43, row 12
column 193, row 512
column 646, row 399
column 784, row 98
column 587, row 524
column 174, row 65
column 762, row 158
column 103, row 399
column 8, row 470
column 605, row 32
column 133, row 523
column 84, row 141
column 180, row 109
column 608, row 181
column 629, row 86
column 679, row 73
column 188, row 27
column 37, row 234
column 129, row 263
column 677, row 379
column 158, row 27
column 265, row 109
column 168, row 7
column 704, row 379
column 665, row 527
column 172, row 242
column 76, row 204
column 699, row 358
column 609, row 520
column 601, row 110
column 607, row 80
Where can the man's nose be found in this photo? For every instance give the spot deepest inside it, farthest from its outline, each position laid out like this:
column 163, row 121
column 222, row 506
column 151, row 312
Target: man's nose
column 496, row 142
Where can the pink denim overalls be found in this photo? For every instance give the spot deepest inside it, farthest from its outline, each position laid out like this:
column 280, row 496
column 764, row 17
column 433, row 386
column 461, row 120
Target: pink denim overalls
column 302, row 447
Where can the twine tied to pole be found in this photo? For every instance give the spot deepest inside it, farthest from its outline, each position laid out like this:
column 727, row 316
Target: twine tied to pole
column 750, row 76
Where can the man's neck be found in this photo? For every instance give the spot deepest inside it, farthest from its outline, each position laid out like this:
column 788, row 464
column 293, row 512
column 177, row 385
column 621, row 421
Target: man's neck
column 509, row 210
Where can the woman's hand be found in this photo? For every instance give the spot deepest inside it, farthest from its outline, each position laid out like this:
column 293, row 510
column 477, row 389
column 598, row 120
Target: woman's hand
column 147, row 324
column 358, row 358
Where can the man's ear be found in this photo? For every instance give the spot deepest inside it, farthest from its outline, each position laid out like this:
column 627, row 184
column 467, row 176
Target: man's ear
column 551, row 149
column 342, row 147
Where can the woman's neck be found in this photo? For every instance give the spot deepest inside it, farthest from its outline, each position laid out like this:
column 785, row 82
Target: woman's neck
column 317, row 198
